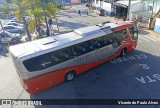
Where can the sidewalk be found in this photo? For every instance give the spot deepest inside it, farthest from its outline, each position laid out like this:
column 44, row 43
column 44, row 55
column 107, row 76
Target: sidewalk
column 153, row 33
column 69, row 20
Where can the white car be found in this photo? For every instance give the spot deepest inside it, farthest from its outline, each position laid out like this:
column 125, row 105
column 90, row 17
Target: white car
column 11, row 28
column 15, row 24
column 8, row 37
column 17, row 21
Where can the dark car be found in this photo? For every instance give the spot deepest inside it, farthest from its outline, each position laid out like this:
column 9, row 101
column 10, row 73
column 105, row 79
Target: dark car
column 6, row 37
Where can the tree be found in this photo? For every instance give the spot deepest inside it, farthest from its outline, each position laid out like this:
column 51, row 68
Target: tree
column 38, row 9
column 152, row 18
column 36, row 17
column 48, row 8
column 22, row 5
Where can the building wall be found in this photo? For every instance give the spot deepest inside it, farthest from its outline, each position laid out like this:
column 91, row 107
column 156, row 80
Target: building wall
column 104, row 5
column 75, row 2
column 137, row 7
column 150, row 3
column 63, row 2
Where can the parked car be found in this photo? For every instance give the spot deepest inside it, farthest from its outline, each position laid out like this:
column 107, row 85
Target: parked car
column 9, row 37
column 17, row 21
column 15, row 24
column 11, row 28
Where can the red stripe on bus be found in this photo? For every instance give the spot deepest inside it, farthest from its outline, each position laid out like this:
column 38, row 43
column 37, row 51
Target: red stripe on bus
column 45, row 81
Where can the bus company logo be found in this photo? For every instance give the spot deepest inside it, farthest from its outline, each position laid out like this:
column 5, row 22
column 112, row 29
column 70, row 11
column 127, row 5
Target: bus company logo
column 6, row 102
column 20, row 102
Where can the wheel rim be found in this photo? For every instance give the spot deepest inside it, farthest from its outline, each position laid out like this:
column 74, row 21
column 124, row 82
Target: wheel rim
column 70, row 76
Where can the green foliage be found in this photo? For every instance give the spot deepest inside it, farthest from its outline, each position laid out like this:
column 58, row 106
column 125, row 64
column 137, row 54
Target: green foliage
column 6, row 9
column 38, row 37
column 37, row 9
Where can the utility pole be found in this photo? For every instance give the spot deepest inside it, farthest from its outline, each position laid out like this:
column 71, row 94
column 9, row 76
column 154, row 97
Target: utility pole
column 129, row 13
column 101, row 3
column 151, row 17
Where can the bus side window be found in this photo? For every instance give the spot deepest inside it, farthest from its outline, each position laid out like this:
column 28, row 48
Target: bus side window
column 54, row 58
column 99, row 42
column 91, row 45
column 46, row 60
column 38, row 63
column 64, row 54
column 73, row 52
column 108, row 40
column 122, row 34
column 85, row 46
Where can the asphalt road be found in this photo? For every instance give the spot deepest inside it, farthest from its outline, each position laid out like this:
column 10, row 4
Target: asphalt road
column 134, row 76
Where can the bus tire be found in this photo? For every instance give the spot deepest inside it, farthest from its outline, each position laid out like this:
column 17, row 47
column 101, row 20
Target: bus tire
column 70, row 75
column 123, row 52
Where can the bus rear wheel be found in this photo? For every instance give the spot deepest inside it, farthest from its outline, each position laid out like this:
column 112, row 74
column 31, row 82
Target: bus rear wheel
column 123, row 52
column 70, row 75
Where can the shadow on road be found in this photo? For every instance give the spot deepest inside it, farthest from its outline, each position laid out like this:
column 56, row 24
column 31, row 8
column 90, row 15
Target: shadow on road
column 128, row 77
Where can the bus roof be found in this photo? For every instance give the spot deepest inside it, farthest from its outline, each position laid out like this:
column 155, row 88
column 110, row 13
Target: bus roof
column 62, row 40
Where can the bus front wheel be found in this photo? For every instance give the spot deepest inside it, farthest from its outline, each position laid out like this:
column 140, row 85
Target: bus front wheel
column 123, row 52
column 70, row 75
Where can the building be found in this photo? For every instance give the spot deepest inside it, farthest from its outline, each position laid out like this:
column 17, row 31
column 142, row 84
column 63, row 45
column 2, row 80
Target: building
column 122, row 7
column 104, row 7
column 72, row 2
column 149, row 5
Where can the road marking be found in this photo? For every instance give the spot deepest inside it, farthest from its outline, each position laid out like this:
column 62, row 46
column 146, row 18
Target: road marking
column 156, row 38
column 150, row 38
column 148, row 79
column 142, row 38
column 128, row 58
column 144, row 66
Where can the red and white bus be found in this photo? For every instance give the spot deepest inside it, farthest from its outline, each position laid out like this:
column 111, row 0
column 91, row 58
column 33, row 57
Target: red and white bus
column 46, row 62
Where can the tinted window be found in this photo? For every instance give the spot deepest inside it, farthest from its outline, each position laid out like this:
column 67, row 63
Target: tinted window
column 134, row 33
column 122, row 34
column 62, row 55
column 15, row 24
column 5, row 27
column 38, row 63
column 10, row 27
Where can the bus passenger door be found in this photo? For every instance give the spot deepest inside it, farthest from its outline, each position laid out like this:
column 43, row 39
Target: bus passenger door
column 134, row 37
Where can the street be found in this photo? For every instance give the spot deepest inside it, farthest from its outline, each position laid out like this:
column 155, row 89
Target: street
column 134, row 76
